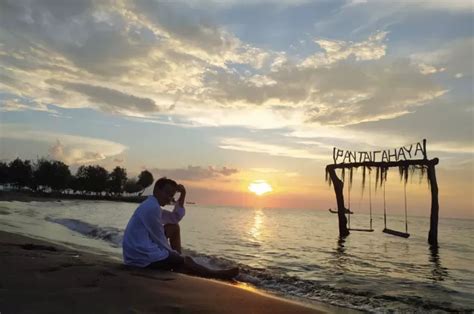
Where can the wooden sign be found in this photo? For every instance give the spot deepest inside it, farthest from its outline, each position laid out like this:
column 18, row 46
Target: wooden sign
column 412, row 152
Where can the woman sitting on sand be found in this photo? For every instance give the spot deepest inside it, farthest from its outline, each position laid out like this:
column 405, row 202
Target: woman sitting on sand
column 145, row 242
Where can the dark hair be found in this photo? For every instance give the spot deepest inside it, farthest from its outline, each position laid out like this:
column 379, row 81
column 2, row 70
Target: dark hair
column 161, row 182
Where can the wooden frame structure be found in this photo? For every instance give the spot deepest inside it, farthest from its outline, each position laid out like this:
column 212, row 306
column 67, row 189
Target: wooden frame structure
column 423, row 164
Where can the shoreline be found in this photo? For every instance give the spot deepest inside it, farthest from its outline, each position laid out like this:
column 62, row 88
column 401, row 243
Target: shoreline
column 53, row 278
column 31, row 196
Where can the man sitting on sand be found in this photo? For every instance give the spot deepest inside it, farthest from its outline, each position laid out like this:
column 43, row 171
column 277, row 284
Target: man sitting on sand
column 145, row 242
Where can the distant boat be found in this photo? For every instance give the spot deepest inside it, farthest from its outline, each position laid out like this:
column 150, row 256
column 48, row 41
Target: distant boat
column 191, row 203
column 335, row 211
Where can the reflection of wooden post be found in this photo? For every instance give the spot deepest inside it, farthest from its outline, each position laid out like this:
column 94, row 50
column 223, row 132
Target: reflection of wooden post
column 341, row 209
column 433, row 233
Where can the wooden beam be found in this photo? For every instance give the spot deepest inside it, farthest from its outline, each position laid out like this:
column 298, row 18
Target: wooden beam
column 384, row 164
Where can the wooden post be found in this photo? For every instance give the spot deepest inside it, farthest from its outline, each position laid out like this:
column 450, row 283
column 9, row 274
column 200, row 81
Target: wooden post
column 341, row 209
column 433, row 233
column 425, row 153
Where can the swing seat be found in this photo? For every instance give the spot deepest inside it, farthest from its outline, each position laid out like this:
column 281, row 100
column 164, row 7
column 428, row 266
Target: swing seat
column 396, row 233
column 363, row 230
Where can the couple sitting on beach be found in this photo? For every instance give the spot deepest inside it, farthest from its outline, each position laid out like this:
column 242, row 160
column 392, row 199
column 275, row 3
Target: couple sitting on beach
column 152, row 238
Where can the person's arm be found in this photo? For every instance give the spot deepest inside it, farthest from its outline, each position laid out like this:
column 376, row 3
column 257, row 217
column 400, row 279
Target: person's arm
column 182, row 195
column 175, row 216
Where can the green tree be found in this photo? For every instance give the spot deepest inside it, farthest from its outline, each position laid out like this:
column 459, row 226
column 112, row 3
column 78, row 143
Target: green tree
column 145, row 179
column 54, row 174
column 60, row 176
column 42, row 172
column 131, row 186
column 117, row 180
column 20, row 172
column 92, row 178
column 4, row 178
column 78, row 182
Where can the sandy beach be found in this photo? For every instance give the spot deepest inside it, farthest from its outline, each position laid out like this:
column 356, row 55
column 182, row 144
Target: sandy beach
column 40, row 277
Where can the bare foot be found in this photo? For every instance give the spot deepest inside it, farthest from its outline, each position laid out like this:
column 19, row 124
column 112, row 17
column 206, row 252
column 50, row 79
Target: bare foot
column 226, row 274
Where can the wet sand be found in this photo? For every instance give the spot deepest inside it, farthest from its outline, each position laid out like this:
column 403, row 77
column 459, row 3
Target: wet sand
column 40, row 277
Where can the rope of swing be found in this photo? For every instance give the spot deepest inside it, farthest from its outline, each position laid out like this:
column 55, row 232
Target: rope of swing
column 406, row 214
column 384, row 208
column 349, row 204
column 370, row 197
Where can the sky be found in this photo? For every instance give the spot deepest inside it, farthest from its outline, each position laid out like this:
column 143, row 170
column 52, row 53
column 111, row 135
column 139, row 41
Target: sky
column 221, row 94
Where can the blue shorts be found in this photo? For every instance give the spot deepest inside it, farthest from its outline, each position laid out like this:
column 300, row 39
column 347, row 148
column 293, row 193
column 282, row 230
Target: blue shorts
column 172, row 262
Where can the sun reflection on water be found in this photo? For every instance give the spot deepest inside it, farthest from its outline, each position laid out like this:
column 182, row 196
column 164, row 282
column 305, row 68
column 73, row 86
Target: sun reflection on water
column 256, row 230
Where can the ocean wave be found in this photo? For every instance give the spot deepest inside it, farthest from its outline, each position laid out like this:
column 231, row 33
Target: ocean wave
column 350, row 291
column 341, row 291
column 111, row 235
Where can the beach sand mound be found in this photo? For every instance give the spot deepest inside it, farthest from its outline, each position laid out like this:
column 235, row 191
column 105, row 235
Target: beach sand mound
column 40, row 277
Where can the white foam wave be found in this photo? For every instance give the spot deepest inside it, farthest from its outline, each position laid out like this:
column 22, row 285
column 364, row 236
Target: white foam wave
column 109, row 234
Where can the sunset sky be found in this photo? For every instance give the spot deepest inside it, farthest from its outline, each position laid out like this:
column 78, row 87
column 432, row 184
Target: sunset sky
column 219, row 94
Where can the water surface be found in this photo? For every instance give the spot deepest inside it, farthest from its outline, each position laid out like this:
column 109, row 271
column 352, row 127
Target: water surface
column 294, row 253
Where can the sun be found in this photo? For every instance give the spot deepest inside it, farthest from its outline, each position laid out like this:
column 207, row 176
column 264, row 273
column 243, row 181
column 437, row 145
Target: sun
column 260, row 187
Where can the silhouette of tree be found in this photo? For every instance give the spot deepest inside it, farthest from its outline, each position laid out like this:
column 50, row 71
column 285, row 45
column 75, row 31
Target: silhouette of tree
column 74, row 185
column 60, row 176
column 42, row 172
column 78, row 182
column 92, row 178
column 98, row 175
column 145, row 179
column 4, row 178
column 20, row 172
column 57, row 176
column 131, row 186
column 53, row 174
column 117, row 180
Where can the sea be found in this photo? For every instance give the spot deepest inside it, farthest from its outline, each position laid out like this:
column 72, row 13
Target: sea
column 293, row 253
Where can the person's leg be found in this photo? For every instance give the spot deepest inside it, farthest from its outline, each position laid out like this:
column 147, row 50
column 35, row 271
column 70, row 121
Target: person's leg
column 173, row 233
column 190, row 267
column 186, row 265
column 174, row 261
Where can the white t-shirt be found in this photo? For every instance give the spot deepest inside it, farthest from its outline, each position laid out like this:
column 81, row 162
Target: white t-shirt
column 144, row 240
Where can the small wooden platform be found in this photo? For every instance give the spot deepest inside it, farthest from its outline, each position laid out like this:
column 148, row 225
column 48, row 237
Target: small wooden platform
column 396, row 233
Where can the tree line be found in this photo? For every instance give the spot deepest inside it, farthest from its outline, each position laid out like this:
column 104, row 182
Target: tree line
column 55, row 176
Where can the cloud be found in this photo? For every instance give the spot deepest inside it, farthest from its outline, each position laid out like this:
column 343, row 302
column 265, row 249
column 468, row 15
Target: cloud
column 334, row 51
column 74, row 155
column 134, row 56
column 429, row 69
column 169, row 62
column 452, row 5
column 454, row 57
column 453, row 148
column 195, row 172
column 273, row 171
column 70, row 149
column 18, row 104
column 453, row 133
column 343, row 93
column 142, row 56
column 246, row 145
column 112, row 100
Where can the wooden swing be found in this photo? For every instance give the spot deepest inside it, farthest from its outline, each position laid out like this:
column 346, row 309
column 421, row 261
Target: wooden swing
column 391, row 231
column 409, row 157
column 370, row 208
